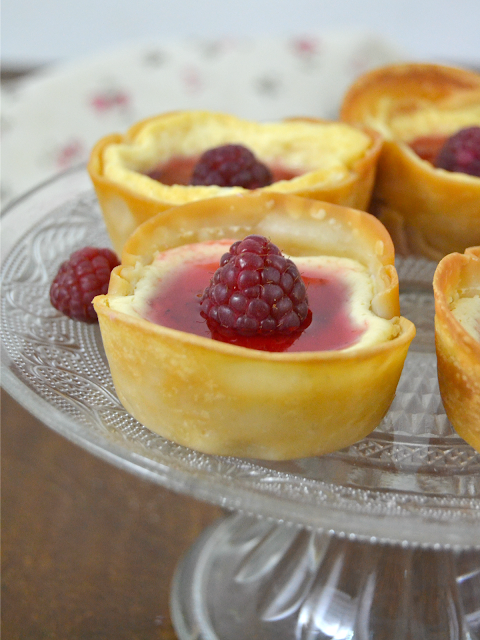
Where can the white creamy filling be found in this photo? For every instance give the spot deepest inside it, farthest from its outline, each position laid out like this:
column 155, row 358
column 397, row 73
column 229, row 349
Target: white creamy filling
column 467, row 312
column 148, row 279
column 328, row 149
column 433, row 120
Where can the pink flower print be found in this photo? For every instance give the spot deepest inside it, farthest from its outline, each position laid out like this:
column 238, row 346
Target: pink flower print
column 69, row 154
column 110, row 99
column 192, row 79
column 305, row 47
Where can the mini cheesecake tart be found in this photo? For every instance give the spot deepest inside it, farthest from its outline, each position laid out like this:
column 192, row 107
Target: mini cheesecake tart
column 457, row 335
column 416, row 107
column 226, row 399
column 329, row 161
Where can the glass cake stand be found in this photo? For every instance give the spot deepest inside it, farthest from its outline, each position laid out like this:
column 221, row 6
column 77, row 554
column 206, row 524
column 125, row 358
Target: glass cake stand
column 378, row 541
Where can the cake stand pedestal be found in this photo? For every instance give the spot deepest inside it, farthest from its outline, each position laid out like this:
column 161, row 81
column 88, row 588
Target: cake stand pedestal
column 251, row 578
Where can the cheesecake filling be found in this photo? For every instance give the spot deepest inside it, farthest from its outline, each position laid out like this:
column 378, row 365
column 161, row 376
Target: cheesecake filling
column 467, row 311
column 296, row 148
column 340, row 291
column 432, row 120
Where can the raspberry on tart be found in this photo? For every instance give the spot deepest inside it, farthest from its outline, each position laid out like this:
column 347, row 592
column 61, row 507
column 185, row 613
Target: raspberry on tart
column 327, row 389
column 255, row 291
column 149, row 169
column 83, row 276
column 461, row 152
column 169, row 293
column 456, row 287
column 420, row 108
column 231, row 165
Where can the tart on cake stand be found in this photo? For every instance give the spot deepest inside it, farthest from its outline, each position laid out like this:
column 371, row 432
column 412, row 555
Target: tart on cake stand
column 379, row 540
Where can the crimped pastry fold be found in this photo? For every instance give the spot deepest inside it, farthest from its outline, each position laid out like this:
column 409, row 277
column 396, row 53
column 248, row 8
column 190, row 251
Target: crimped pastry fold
column 225, row 399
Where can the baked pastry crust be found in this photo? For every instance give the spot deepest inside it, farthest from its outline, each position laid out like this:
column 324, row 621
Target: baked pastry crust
column 458, row 353
column 225, row 399
column 428, row 211
column 339, row 160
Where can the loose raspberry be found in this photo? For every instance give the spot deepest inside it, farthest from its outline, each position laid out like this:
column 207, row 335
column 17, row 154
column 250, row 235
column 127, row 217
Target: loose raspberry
column 255, row 291
column 461, row 152
column 231, row 165
column 83, row 276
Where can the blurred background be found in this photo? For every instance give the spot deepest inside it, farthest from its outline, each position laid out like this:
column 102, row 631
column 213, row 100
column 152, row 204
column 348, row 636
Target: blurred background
column 61, row 30
column 73, row 72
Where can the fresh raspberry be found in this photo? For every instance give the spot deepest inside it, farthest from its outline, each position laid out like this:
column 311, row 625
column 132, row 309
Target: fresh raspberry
column 83, row 276
column 231, row 165
column 461, row 152
column 255, row 291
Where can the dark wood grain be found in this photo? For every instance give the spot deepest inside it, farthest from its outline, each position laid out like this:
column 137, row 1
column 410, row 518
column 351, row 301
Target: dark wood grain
column 88, row 550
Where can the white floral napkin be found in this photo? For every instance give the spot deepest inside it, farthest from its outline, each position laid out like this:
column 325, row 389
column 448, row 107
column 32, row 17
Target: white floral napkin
column 51, row 121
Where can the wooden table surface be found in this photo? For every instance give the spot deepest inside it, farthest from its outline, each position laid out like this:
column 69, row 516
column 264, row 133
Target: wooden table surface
column 88, row 550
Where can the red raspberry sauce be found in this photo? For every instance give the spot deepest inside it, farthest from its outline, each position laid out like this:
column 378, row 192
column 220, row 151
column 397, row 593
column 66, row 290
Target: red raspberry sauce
column 176, row 305
column 428, row 147
column 178, row 170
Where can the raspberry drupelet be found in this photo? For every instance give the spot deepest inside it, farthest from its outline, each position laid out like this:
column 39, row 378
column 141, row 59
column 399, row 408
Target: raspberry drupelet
column 461, row 152
column 83, row 276
column 255, row 291
column 231, row 165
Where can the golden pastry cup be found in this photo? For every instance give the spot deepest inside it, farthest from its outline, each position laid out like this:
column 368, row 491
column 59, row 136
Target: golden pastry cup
column 428, row 211
column 225, row 399
column 458, row 353
column 128, row 201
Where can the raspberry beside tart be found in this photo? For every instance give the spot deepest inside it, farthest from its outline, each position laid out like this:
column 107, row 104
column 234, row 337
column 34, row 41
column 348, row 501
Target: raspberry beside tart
column 225, row 398
column 79, row 279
